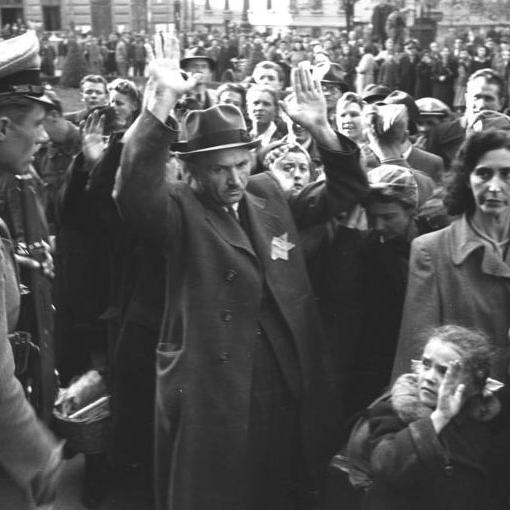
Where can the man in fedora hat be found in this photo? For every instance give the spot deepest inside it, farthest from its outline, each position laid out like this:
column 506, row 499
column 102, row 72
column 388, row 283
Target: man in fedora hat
column 29, row 454
column 241, row 396
column 201, row 96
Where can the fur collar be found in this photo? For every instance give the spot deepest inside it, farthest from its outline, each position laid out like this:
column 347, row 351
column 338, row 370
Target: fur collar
column 407, row 405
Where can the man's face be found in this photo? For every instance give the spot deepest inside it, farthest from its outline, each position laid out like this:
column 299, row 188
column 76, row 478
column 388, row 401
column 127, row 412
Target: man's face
column 261, row 107
column 19, row 141
column 427, row 122
column 332, row 94
column 222, row 175
column 231, row 97
column 93, row 94
column 434, row 47
column 481, row 95
column 201, row 66
column 292, row 171
column 389, row 220
column 268, row 78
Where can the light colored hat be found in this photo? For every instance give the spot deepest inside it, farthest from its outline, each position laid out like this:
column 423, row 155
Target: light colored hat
column 430, row 106
column 489, row 119
column 394, row 182
column 19, row 68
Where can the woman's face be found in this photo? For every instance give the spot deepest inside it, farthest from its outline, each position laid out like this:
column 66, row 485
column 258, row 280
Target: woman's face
column 349, row 120
column 261, row 108
column 432, row 368
column 123, row 107
column 490, row 183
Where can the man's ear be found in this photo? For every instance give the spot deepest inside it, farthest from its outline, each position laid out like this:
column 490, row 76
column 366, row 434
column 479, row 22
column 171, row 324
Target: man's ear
column 4, row 125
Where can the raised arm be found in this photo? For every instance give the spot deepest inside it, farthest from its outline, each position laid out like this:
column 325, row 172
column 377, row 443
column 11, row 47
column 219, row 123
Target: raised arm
column 142, row 192
column 345, row 183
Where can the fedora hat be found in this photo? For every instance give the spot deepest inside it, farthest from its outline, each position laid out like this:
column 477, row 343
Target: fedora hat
column 20, row 68
column 373, row 93
column 331, row 73
column 185, row 61
column 220, row 127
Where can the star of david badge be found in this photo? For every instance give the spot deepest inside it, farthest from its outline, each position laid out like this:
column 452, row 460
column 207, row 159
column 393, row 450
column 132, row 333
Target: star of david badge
column 280, row 247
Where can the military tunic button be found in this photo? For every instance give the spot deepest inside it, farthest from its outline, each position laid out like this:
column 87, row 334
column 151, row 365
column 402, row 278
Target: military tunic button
column 259, row 332
column 230, row 275
column 225, row 356
column 226, row 315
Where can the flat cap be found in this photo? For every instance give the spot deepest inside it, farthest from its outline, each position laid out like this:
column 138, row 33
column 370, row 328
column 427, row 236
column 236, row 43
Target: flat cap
column 20, row 66
column 430, row 106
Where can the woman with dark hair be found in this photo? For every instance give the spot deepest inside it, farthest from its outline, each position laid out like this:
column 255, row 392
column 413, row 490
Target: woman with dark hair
column 439, row 439
column 461, row 274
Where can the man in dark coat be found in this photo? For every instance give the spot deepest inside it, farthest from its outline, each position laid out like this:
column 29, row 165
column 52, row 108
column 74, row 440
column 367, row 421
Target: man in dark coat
column 239, row 396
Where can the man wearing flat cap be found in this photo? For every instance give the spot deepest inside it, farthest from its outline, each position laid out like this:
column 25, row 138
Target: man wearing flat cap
column 29, row 454
column 241, row 396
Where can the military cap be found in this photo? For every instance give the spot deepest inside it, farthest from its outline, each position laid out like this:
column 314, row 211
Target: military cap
column 20, row 68
column 185, row 61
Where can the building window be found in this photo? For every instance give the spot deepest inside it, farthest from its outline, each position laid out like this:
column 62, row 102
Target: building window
column 51, row 18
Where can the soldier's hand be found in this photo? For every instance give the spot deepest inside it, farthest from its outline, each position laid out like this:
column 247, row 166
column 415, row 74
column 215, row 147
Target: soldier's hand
column 93, row 140
column 167, row 83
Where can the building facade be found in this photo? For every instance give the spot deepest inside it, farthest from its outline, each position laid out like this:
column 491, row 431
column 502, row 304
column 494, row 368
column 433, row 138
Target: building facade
column 307, row 16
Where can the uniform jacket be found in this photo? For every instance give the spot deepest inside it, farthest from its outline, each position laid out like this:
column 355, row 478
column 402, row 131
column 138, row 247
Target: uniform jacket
column 214, row 285
column 462, row 467
column 28, row 452
column 455, row 277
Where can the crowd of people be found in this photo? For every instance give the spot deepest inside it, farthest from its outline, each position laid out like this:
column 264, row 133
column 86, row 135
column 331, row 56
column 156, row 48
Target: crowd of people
column 273, row 237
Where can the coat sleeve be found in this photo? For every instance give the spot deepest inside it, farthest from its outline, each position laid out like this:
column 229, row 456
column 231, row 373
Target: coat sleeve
column 28, row 451
column 344, row 187
column 421, row 307
column 142, row 191
column 402, row 455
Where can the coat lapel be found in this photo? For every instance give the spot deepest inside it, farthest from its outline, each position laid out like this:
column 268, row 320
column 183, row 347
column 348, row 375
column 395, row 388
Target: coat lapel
column 264, row 225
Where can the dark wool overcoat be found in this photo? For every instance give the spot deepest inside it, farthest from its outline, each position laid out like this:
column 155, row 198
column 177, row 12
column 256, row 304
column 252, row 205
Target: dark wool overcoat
column 214, row 285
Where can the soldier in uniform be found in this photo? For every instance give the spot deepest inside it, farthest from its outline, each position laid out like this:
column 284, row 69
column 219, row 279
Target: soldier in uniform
column 29, row 454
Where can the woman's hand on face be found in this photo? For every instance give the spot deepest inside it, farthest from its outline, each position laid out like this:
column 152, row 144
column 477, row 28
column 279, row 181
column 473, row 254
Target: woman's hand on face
column 450, row 397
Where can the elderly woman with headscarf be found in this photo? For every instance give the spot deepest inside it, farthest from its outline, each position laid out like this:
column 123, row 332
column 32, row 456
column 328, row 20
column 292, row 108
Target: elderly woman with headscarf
column 461, row 274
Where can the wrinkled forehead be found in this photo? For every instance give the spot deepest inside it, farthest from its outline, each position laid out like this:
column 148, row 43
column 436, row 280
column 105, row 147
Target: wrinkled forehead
column 480, row 87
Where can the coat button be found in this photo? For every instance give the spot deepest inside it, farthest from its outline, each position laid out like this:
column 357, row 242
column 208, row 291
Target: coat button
column 230, row 275
column 226, row 315
column 259, row 332
column 224, row 357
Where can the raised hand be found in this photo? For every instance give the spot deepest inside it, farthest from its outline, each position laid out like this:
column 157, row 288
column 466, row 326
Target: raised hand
column 93, row 140
column 166, row 80
column 450, row 396
column 306, row 105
